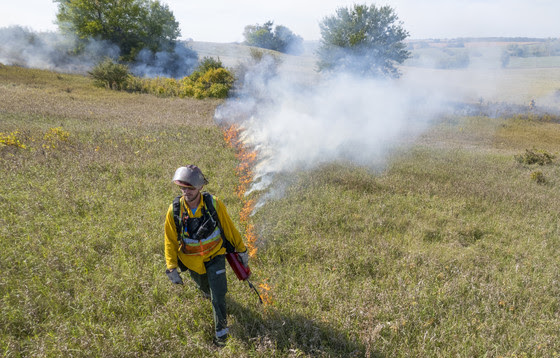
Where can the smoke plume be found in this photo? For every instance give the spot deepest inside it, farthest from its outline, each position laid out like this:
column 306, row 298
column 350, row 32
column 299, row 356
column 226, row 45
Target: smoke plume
column 339, row 118
column 54, row 51
column 49, row 50
column 297, row 125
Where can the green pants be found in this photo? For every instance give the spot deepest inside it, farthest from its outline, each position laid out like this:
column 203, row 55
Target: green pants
column 214, row 284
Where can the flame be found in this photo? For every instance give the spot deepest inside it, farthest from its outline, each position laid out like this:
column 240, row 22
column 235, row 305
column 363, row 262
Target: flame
column 251, row 239
column 245, row 217
column 245, row 214
column 265, row 286
column 265, row 294
column 231, row 134
column 247, row 159
column 244, row 172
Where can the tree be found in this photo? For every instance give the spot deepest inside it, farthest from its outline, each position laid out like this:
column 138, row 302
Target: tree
column 260, row 35
column 363, row 39
column 130, row 24
column 287, row 41
column 281, row 39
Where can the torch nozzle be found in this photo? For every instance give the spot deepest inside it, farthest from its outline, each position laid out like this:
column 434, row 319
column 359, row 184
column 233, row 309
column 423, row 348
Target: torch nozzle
column 256, row 291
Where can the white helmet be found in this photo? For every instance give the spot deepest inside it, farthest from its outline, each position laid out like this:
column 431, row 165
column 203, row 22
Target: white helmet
column 190, row 175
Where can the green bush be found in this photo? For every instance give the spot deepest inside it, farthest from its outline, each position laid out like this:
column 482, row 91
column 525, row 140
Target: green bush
column 210, row 79
column 218, row 90
column 538, row 177
column 213, row 83
column 109, row 74
column 535, row 156
column 12, row 139
column 207, row 63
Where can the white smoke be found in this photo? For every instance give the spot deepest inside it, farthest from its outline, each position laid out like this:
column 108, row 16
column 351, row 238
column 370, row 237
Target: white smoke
column 49, row 50
column 177, row 64
column 296, row 121
column 54, row 51
column 342, row 117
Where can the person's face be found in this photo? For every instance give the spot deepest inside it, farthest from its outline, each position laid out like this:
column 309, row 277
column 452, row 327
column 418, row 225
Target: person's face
column 190, row 192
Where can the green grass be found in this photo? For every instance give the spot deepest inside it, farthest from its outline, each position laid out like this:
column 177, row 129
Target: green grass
column 452, row 250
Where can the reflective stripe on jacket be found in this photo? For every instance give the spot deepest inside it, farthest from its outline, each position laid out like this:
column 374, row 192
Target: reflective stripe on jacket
column 200, row 247
column 196, row 262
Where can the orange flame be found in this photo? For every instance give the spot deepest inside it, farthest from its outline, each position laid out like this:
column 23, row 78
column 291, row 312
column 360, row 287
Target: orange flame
column 251, row 239
column 231, row 134
column 244, row 171
column 245, row 214
column 265, row 290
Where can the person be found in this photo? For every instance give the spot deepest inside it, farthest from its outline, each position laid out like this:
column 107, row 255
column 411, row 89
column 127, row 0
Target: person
column 198, row 246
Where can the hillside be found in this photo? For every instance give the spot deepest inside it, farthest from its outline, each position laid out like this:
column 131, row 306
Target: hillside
column 480, row 75
column 302, row 67
column 451, row 250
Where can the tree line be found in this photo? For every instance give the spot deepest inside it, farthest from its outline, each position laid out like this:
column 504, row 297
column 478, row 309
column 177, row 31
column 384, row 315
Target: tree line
column 365, row 39
column 541, row 49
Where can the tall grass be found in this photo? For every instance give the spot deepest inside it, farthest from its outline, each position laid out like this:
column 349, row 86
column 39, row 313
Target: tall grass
column 451, row 250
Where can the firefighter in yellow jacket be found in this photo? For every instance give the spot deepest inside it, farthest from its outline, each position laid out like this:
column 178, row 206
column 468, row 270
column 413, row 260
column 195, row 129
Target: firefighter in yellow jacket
column 197, row 244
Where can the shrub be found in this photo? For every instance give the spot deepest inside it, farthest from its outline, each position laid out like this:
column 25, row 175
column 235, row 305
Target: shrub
column 54, row 137
column 11, row 140
column 535, row 156
column 210, row 62
column 217, row 82
column 207, row 63
column 218, row 90
column 110, row 75
column 214, row 83
column 210, row 79
column 135, row 84
column 538, row 177
column 256, row 55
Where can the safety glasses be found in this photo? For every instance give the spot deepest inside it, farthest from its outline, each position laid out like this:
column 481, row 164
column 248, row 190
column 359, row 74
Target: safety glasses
column 188, row 187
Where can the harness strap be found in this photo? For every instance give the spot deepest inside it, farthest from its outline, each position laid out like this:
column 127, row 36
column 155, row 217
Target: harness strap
column 177, row 217
column 209, row 203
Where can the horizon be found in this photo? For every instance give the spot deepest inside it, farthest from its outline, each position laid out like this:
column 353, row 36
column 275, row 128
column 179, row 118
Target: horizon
column 433, row 19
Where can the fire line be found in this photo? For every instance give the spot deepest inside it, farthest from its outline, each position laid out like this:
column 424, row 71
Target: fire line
column 244, row 172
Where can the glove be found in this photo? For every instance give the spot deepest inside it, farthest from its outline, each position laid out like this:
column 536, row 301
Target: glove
column 174, row 276
column 244, row 256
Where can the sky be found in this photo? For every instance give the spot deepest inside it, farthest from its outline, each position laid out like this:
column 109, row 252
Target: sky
column 224, row 20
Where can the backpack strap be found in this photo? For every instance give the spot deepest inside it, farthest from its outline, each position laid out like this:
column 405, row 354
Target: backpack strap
column 209, row 202
column 178, row 227
column 177, row 216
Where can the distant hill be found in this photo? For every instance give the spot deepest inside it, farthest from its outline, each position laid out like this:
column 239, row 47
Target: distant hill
column 233, row 54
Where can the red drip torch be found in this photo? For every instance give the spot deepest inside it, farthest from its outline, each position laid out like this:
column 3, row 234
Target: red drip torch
column 241, row 271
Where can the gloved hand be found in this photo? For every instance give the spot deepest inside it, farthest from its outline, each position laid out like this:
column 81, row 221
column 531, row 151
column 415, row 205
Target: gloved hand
column 244, row 256
column 174, row 276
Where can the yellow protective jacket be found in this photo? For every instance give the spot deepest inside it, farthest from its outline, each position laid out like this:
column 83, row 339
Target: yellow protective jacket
column 196, row 262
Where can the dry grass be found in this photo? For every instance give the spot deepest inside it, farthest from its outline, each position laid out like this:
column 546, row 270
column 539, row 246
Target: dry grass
column 452, row 251
column 46, row 93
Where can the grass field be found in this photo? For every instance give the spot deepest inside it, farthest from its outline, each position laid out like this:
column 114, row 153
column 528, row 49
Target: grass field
column 452, row 251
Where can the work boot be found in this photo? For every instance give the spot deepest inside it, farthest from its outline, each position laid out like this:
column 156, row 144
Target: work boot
column 221, row 341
